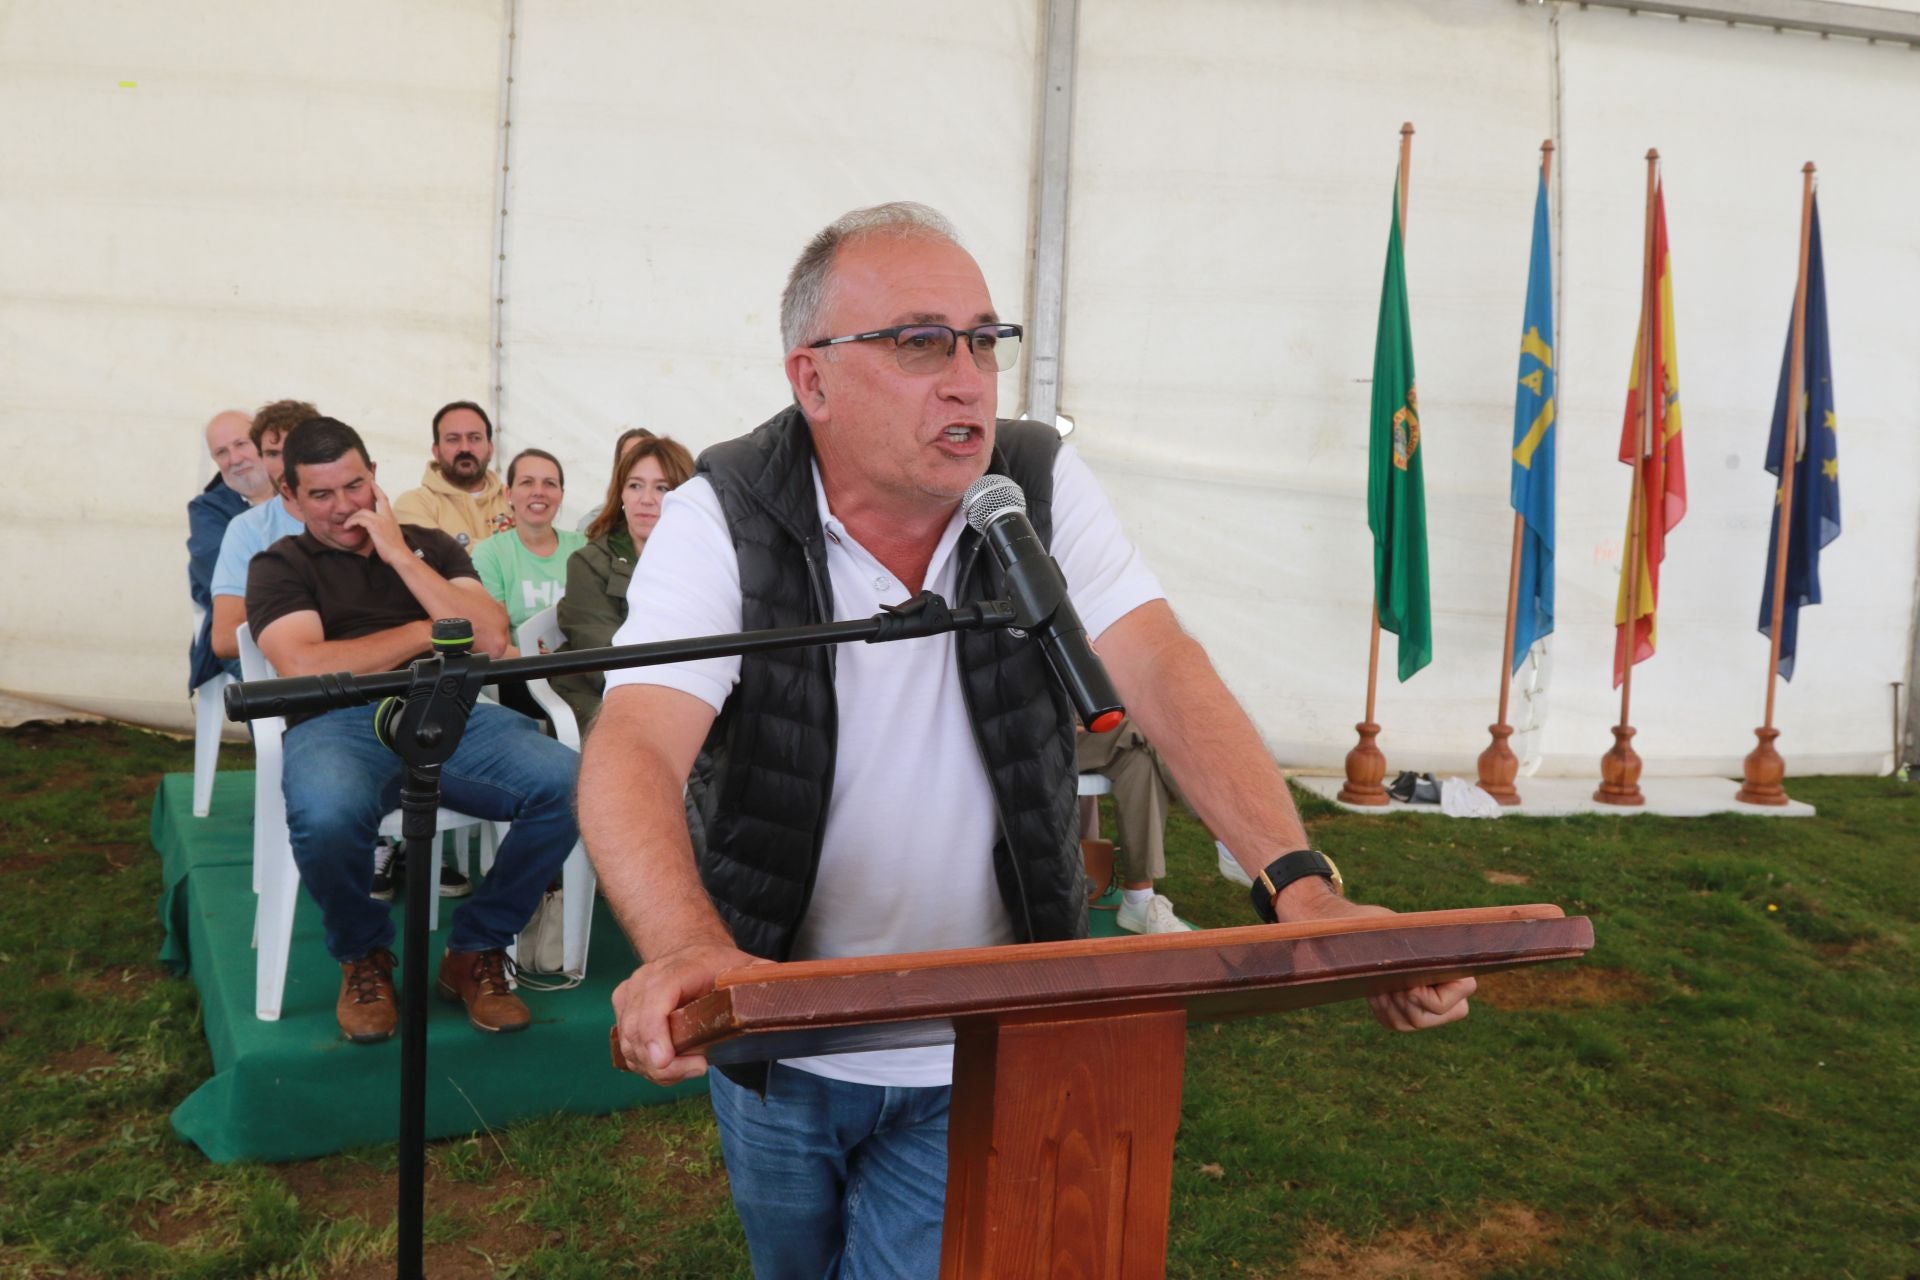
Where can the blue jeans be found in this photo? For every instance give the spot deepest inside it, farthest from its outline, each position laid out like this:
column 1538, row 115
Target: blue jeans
column 339, row 782
column 835, row 1181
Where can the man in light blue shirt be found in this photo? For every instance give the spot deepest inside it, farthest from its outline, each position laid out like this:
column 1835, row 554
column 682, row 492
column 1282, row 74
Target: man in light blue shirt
column 256, row 529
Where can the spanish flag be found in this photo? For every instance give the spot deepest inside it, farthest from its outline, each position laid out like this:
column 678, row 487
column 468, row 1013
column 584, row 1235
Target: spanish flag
column 1663, row 471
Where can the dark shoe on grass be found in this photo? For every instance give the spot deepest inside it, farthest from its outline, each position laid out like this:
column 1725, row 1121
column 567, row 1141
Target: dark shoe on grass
column 478, row 980
column 366, row 1008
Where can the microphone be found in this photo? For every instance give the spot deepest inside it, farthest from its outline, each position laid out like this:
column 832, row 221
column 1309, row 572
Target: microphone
column 997, row 510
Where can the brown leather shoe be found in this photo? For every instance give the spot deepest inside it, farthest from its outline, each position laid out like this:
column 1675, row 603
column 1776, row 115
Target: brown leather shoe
column 366, row 1009
column 478, row 979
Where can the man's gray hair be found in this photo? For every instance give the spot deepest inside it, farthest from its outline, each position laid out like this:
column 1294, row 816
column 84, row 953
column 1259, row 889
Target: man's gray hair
column 805, row 297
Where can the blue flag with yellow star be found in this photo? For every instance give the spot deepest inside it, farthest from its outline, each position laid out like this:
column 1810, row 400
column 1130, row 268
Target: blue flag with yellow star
column 1815, row 518
column 1533, row 436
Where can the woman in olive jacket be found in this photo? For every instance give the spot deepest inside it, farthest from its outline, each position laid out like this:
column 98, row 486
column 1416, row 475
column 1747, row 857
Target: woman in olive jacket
column 597, row 574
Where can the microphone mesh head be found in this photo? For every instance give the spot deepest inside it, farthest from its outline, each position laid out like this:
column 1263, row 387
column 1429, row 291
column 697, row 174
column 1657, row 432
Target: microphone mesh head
column 988, row 498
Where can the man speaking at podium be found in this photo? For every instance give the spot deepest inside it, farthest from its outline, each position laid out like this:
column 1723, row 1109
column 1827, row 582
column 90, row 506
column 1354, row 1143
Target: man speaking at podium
column 871, row 799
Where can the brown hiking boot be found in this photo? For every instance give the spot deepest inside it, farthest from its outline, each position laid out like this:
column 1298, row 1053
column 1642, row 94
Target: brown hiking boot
column 478, row 979
column 366, row 1008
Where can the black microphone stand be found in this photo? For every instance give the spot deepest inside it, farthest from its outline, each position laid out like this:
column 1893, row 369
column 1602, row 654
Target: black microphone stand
column 422, row 720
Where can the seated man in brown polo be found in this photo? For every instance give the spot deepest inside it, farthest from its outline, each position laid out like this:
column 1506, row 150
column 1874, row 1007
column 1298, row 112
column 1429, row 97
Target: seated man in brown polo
column 358, row 591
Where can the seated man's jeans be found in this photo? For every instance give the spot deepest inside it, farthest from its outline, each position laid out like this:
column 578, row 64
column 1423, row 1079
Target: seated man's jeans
column 835, row 1181
column 339, row 782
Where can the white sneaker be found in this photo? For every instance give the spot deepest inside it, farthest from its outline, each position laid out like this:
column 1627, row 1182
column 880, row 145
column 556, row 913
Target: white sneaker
column 1155, row 915
column 1231, row 869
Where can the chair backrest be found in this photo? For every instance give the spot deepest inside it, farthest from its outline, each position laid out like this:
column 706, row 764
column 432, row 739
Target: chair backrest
column 267, row 729
column 541, row 633
column 253, row 663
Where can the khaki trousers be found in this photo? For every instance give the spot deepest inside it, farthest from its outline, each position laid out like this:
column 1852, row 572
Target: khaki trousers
column 1142, row 788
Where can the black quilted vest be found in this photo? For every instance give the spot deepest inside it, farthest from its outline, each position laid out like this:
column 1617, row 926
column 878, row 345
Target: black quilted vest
column 760, row 790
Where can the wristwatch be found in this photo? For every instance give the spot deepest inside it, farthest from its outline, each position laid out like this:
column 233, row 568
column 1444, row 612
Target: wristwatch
column 1283, row 871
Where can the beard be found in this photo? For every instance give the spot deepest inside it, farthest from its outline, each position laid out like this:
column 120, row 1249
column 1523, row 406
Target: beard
column 246, row 477
column 467, row 464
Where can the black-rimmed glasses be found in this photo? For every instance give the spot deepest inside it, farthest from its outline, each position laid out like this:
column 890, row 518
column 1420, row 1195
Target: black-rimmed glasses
column 926, row 348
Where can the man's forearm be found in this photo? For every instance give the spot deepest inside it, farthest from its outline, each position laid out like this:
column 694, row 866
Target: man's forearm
column 634, row 824
column 228, row 613
column 382, row 651
column 441, row 599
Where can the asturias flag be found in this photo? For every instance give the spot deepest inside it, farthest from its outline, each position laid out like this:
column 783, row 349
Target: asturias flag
column 1533, row 436
column 1815, row 519
column 1396, row 503
column 1663, row 472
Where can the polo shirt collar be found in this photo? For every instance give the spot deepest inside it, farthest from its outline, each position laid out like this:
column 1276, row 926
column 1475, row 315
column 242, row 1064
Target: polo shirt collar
column 837, row 532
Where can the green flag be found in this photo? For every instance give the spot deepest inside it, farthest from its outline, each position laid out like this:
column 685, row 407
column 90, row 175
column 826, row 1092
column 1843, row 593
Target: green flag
column 1396, row 503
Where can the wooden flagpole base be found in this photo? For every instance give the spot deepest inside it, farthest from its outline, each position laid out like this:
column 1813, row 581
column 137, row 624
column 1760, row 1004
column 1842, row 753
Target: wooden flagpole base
column 1366, row 767
column 1620, row 771
column 1499, row 766
column 1762, row 772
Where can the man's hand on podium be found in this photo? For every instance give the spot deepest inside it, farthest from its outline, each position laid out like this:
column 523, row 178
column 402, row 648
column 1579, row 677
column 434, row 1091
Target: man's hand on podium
column 658, row 987
column 1414, row 1009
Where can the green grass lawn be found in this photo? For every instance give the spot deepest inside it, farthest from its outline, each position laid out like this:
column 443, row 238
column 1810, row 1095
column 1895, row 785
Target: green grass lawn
column 1727, row 1086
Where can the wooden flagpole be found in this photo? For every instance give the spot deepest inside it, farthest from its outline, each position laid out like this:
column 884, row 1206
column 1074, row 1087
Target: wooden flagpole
column 1498, row 765
column 1620, row 767
column 1366, row 766
column 1764, row 769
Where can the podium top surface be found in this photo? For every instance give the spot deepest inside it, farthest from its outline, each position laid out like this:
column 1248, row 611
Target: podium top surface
column 894, row 1001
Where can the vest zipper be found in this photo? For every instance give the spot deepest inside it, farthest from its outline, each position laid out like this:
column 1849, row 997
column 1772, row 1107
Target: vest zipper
column 823, row 611
column 973, row 724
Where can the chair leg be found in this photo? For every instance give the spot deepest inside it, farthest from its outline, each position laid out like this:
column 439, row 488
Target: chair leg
column 207, row 719
column 578, row 883
column 1089, row 817
column 273, row 932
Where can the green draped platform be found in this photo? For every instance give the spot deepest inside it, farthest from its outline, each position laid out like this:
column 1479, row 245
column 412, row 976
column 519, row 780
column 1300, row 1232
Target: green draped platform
column 294, row 1088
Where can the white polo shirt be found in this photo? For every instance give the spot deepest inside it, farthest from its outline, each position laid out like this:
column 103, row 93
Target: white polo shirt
column 906, row 860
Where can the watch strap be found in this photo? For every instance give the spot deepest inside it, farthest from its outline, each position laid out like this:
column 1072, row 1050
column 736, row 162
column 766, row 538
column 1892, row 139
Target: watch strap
column 1283, row 871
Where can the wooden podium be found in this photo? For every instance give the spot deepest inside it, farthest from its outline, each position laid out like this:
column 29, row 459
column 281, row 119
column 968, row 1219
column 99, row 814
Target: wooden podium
column 1068, row 1056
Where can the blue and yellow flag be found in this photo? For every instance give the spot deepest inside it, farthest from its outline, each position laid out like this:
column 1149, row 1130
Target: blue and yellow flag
column 1533, row 436
column 1815, row 518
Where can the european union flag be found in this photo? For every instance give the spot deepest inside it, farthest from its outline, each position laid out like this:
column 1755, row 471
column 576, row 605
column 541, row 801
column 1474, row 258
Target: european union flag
column 1815, row 518
column 1533, row 435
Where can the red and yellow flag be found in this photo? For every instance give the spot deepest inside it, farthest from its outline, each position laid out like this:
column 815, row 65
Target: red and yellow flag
column 1663, row 471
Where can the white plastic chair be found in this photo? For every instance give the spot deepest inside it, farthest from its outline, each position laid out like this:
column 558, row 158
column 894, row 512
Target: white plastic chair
column 209, row 719
column 276, row 879
column 541, row 634
column 1091, row 787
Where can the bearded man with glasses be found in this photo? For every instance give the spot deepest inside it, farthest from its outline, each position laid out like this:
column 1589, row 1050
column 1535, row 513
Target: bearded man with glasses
column 876, row 799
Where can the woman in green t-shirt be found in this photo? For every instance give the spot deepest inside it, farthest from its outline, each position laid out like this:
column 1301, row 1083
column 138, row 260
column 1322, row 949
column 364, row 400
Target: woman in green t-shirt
column 525, row 567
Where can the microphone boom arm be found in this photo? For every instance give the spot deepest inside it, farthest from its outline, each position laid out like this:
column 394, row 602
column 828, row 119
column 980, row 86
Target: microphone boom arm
column 924, row 615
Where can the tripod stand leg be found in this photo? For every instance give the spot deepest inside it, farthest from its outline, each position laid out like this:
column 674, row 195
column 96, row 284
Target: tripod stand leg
column 419, row 803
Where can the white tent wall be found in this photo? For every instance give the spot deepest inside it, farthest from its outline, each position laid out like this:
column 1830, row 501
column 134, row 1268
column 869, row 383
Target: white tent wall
column 670, row 162
column 208, row 206
column 1232, row 169
column 224, row 203
column 1735, row 113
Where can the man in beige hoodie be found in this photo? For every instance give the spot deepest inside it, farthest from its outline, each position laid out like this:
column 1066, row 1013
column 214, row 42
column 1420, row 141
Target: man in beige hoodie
column 460, row 495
